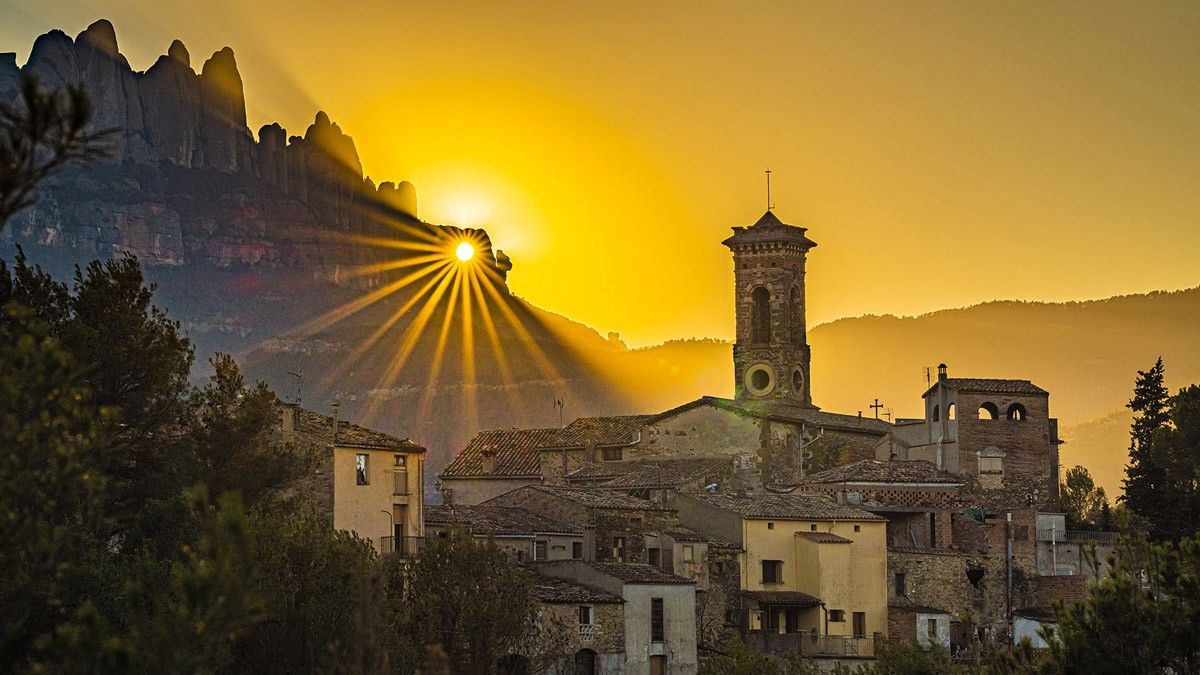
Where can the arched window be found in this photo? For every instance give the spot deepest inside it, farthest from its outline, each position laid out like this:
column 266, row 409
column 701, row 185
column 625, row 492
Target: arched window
column 989, row 411
column 796, row 316
column 761, row 316
column 1016, row 412
column 585, row 662
column 937, row 413
column 951, row 412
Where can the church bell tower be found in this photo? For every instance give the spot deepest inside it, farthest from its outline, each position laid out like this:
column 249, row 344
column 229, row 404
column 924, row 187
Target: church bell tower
column 770, row 354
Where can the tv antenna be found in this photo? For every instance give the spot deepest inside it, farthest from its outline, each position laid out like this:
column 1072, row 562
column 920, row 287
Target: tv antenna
column 299, row 376
column 770, row 206
column 558, row 403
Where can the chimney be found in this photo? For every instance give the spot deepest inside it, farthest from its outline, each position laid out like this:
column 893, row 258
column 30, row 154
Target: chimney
column 488, row 453
column 941, row 372
column 336, row 405
column 291, row 415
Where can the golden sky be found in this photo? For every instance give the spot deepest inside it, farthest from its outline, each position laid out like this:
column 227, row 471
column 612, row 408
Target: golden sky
column 942, row 154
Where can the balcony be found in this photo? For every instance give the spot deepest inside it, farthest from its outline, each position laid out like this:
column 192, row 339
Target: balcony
column 587, row 633
column 805, row 643
column 405, row 547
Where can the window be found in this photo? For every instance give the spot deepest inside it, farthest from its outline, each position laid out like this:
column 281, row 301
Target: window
column 812, row 528
column 540, row 550
column 1016, row 412
column 658, row 628
column 760, row 317
column 796, row 316
column 858, row 528
column 772, row 571
column 936, row 414
column 654, row 557
column 585, row 615
column 610, row 454
column 991, row 461
column 577, row 550
column 989, row 411
column 401, row 462
column 770, row 526
column 361, row 470
column 900, row 584
column 837, row 615
column 618, row 548
column 718, row 568
column 931, row 628
column 951, row 412
column 688, row 552
column 860, row 624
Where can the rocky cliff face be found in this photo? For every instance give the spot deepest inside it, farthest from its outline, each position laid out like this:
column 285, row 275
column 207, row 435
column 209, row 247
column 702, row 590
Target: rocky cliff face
column 186, row 182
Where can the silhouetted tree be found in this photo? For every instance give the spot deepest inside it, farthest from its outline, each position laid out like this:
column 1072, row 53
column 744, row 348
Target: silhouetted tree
column 38, row 137
column 1082, row 500
column 1144, row 479
column 1144, row 617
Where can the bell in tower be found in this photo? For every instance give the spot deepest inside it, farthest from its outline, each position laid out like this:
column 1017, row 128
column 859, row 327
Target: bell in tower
column 770, row 353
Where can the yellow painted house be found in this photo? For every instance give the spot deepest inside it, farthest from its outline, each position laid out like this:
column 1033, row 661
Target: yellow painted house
column 810, row 568
column 378, row 479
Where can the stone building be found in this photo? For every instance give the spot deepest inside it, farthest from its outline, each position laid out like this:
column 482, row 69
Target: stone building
column 659, row 611
column 593, row 620
column 376, row 480
column 527, row 535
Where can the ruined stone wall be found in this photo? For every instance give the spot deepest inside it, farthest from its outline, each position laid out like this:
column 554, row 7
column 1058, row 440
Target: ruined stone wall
column 971, row 587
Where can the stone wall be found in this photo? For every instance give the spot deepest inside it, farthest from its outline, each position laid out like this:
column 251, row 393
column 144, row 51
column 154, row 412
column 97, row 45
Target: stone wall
column 1030, row 464
column 608, row 628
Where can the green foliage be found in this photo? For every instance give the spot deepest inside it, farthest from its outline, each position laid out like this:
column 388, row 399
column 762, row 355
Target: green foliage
column 1143, row 478
column 38, row 137
column 1083, row 502
column 471, row 600
column 1144, row 617
column 50, row 492
column 901, row 657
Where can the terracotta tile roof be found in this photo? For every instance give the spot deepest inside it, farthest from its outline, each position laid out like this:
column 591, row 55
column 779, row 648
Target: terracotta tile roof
column 498, row 520
column 610, row 431
column 824, row 537
column 990, row 386
column 598, row 499
column 763, row 505
column 516, row 453
column 769, row 229
column 320, row 428
column 782, row 598
column 637, row 573
column 878, row 471
column 554, row 590
column 903, row 603
column 649, row 473
column 683, row 534
column 787, row 412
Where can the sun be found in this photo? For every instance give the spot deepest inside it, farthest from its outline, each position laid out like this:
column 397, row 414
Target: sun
column 465, row 251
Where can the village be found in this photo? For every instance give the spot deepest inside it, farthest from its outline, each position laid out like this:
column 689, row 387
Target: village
column 660, row 536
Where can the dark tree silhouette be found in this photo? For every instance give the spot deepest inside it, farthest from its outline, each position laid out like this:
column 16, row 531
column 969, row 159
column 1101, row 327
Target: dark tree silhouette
column 40, row 135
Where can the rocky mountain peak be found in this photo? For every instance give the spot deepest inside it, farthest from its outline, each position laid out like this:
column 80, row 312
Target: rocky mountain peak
column 101, row 36
column 179, row 52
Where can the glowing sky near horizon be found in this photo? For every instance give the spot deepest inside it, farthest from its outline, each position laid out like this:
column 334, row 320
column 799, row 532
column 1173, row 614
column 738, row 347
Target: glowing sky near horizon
column 941, row 154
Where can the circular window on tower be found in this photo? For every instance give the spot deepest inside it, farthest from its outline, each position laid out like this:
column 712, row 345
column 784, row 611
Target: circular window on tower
column 760, row 379
column 798, row 382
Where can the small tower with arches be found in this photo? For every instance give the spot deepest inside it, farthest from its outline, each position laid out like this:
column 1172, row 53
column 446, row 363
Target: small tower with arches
column 770, row 354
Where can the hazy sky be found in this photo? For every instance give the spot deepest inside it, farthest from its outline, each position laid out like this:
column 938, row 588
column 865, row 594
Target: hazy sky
column 941, row 154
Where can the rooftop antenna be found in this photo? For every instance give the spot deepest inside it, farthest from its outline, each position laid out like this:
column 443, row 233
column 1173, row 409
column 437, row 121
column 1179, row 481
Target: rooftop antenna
column 558, row 403
column 299, row 382
column 770, row 206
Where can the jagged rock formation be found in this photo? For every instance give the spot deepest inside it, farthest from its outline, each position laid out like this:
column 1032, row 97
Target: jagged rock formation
column 186, row 182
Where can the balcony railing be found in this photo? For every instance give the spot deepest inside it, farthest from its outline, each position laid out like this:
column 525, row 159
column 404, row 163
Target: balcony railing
column 806, row 643
column 587, row 633
column 406, row 547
